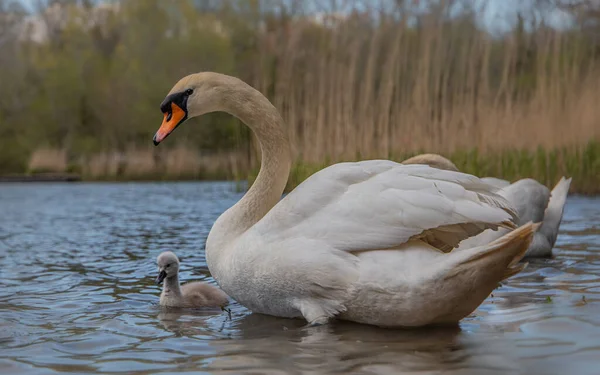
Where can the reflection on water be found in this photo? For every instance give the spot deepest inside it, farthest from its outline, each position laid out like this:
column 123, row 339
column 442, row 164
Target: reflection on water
column 78, row 296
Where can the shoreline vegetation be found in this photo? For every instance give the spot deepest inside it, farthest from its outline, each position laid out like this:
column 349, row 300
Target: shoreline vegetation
column 390, row 81
column 547, row 167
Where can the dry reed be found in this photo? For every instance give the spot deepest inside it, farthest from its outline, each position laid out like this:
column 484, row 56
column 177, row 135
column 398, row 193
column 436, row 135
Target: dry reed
column 360, row 89
column 357, row 88
column 180, row 162
column 101, row 165
column 138, row 163
column 48, row 160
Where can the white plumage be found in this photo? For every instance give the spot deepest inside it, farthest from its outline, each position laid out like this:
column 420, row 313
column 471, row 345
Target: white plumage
column 368, row 241
column 532, row 201
column 377, row 204
column 535, row 203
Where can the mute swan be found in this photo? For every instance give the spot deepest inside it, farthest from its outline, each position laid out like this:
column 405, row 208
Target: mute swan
column 363, row 241
column 533, row 201
column 194, row 294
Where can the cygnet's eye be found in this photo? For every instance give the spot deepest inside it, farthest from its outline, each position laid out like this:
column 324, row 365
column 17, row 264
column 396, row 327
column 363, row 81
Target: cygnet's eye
column 168, row 265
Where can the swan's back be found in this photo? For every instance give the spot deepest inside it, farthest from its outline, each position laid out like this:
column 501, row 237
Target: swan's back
column 378, row 204
column 497, row 182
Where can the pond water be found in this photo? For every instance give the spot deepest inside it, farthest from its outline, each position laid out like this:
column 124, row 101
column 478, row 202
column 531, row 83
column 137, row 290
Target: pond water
column 78, row 296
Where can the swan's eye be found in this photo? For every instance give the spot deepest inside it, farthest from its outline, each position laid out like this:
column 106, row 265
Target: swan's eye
column 167, row 266
column 189, row 92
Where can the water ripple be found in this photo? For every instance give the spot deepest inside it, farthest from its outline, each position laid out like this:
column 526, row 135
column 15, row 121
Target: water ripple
column 78, row 296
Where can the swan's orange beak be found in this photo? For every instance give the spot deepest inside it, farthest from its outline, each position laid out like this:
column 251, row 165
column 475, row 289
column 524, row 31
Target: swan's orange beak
column 172, row 119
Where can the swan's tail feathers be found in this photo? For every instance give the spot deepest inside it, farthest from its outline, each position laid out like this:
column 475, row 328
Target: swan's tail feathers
column 513, row 246
column 500, row 257
column 554, row 212
column 470, row 275
column 511, row 271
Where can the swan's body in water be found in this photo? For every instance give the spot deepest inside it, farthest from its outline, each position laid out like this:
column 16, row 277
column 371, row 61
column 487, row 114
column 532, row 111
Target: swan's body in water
column 533, row 201
column 367, row 242
column 192, row 295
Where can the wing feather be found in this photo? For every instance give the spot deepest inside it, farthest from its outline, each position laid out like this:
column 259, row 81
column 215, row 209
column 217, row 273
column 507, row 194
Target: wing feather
column 378, row 204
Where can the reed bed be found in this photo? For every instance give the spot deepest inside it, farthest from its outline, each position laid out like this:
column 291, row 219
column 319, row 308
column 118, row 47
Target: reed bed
column 47, row 160
column 377, row 91
column 522, row 105
column 179, row 163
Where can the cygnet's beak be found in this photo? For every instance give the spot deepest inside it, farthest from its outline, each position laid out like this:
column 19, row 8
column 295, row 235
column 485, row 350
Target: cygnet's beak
column 161, row 276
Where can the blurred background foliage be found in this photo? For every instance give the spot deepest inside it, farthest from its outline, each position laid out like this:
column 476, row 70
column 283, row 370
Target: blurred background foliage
column 82, row 82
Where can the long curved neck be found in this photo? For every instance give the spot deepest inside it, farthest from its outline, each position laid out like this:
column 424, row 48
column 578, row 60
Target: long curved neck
column 252, row 108
column 171, row 287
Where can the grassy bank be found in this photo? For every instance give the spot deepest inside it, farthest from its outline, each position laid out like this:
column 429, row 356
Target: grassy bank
column 547, row 167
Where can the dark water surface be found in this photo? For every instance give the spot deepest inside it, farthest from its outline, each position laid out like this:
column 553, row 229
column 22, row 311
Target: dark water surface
column 77, row 295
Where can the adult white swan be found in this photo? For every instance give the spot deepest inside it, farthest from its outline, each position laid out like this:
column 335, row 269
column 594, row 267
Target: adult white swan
column 362, row 241
column 532, row 200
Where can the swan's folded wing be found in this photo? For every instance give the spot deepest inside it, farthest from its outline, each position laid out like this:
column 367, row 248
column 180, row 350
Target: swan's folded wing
column 379, row 204
column 497, row 182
